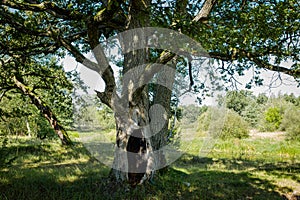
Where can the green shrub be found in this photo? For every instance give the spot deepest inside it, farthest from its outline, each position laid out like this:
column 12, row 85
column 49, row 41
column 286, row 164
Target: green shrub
column 233, row 126
column 73, row 134
column 272, row 118
column 291, row 122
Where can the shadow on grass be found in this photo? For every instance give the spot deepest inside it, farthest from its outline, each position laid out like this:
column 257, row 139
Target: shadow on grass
column 41, row 184
column 220, row 185
column 35, row 152
column 51, row 183
column 73, row 174
column 278, row 169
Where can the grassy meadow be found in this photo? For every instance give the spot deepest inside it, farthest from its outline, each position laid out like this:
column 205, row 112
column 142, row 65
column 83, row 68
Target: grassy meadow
column 252, row 168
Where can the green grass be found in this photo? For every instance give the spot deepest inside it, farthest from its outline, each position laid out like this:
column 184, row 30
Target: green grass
column 234, row 169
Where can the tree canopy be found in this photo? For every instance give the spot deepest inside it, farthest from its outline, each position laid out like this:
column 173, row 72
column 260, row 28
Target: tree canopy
column 253, row 33
column 29, row 76
column 238, row 34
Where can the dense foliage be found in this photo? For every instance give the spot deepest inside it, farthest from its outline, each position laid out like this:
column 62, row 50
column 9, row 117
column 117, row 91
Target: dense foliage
column 29, row 87
column 274, row 113
column 291, row 122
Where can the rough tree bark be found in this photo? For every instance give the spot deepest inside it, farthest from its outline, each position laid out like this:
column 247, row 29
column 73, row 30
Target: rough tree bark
column 162, row 97
column 133, row 144
column 134, row 158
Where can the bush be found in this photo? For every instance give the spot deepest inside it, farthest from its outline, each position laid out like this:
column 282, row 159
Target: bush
column 233, row 126
column 271, row 119
column 291, row 123
column 273, row 116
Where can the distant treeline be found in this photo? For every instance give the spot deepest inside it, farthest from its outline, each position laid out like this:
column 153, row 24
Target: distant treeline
column 245, row 111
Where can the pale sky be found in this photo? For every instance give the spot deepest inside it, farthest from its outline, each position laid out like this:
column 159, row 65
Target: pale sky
column 288, row 85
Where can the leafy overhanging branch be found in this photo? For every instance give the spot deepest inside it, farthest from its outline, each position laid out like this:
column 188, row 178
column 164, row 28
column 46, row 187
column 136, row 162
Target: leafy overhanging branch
column 77, row 54
column 24, row 80
column 100, row 19
column 289, row 71
column 255, row 58
column 112, row 15
column 48, row 6
column 45, row 110
column 102, row 67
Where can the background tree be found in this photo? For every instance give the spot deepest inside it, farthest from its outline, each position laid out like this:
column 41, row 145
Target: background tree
column 237, row 100
column 91, row 114
column 245, row 104
column 291, row 123
column 36, row 77
column 261, row 99
column 190, row 113
column 292, row 99
column 47, row 88
column 252, row 113
column 239, row 34
column 29, row 68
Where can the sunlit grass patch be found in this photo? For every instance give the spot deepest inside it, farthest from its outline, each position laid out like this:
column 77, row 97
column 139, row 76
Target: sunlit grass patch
column 252, row 168
column 48, row 170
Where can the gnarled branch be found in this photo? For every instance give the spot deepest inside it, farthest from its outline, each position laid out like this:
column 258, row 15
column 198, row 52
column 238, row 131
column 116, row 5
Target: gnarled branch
column 47, row 6
column 255, row 58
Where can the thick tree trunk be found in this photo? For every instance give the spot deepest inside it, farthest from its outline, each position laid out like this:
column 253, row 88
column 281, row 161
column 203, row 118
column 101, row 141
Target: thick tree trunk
column 132, row 160
column 45, row 111
column 142, row 132
column 133, row 154
column 162, row 97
